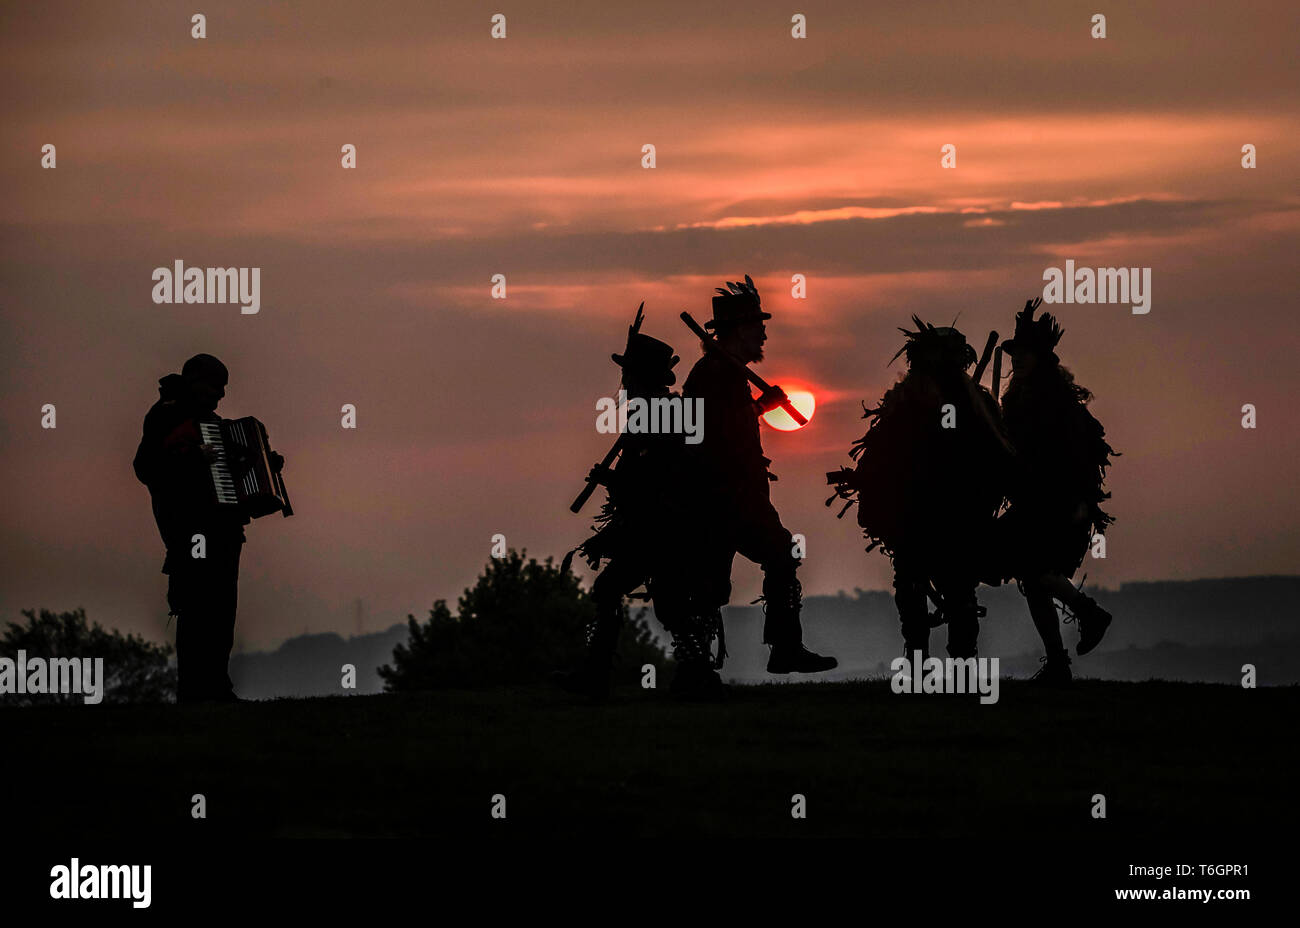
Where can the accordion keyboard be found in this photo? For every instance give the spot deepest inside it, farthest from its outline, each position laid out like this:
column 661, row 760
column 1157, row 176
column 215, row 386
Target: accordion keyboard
column 222, row 480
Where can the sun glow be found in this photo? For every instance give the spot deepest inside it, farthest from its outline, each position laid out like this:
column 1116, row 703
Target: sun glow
column 802, row 400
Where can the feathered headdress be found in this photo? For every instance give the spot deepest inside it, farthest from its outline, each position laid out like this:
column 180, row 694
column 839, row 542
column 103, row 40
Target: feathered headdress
column 737, row 289
column 1037, row 336
column 738, row 303
column 935, row 346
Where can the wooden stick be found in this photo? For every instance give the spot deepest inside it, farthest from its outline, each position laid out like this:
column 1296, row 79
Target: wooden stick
column 711, row 344
column 989, row 345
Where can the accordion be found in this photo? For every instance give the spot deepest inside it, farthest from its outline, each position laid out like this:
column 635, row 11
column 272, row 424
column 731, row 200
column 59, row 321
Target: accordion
column 242, row 474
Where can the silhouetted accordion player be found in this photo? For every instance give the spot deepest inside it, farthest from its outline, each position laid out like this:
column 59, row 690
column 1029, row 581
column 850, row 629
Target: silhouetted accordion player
column 242, row 474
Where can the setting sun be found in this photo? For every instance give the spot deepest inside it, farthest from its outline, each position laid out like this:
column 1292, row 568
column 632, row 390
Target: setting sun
column 780, row 419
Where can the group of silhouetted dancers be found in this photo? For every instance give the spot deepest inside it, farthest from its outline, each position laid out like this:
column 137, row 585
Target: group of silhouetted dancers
column 956, row 485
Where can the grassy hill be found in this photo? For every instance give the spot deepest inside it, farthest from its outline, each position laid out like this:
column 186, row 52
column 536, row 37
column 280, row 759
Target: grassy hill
column 1170, row 758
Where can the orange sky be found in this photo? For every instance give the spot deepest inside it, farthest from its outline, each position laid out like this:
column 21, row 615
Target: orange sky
column 522, row 157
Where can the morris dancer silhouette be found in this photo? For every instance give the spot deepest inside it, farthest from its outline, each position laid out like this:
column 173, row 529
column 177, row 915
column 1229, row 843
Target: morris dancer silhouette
column 1056, row 497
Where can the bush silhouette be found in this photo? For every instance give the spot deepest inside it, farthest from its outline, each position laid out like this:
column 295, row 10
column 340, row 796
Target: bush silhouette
column 519, row 622
column 135, row 670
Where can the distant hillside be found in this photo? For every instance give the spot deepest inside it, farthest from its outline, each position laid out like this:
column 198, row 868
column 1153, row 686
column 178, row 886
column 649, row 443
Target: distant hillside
column 311, row 665
column 1196, row 631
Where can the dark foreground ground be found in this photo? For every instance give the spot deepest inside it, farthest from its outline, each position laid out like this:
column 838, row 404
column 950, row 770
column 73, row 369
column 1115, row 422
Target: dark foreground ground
column 1171, row 759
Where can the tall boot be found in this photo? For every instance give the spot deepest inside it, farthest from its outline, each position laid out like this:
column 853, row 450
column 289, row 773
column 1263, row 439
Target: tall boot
column 916, row 637
column 1093, row 621
column 782, row 603
column 913, row 615
column 963, row 614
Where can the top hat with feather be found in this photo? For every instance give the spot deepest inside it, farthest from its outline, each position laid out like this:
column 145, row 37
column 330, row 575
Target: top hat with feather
column 737, row 304
column 645, row 356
